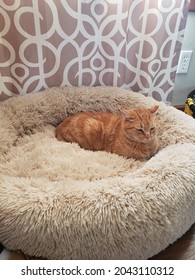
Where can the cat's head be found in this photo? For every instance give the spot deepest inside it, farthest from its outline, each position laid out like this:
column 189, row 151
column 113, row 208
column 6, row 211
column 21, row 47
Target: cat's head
column 140, row 124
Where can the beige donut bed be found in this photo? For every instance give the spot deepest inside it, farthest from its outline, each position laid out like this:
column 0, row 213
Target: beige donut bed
column 59, row 201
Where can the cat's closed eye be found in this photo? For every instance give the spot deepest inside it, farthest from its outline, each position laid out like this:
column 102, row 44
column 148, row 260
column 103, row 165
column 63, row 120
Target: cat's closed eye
column 152, row 128
column 139, row 129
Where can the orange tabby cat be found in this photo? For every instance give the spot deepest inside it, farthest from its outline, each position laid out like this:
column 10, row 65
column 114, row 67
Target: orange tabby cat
column 132, row 135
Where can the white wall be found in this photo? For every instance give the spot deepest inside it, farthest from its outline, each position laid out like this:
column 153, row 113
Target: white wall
column 185, row 83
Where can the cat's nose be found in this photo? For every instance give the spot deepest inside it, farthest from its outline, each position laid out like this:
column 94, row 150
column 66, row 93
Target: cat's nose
column 147, row 135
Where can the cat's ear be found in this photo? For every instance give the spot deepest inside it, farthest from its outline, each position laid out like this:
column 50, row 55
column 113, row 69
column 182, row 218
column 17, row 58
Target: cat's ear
column 154, row 109
column 127, row 115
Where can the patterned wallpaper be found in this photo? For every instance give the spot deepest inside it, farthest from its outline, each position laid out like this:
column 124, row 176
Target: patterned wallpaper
column 125, row 43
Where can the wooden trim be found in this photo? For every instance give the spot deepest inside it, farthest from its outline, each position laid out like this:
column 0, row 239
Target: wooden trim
column 192, row 5
column 180, row 107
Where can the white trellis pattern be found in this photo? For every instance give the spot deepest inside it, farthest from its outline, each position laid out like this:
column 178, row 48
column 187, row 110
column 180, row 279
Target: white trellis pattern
column 125, row 43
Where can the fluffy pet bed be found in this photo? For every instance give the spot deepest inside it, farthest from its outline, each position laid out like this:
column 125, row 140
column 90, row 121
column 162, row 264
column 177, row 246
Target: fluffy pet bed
column 58, row 201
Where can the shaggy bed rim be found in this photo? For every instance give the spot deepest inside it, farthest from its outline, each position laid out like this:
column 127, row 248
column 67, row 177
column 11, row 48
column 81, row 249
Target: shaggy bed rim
column 130, row 215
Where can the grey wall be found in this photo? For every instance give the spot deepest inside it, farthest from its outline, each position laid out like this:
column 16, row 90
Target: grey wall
column 184, row 83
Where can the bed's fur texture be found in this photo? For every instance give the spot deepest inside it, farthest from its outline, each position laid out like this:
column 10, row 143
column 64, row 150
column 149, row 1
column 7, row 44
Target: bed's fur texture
column 59, row 201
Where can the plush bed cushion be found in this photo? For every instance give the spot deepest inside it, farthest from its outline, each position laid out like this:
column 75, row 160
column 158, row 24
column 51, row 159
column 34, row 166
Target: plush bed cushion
column 59, row 201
